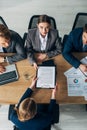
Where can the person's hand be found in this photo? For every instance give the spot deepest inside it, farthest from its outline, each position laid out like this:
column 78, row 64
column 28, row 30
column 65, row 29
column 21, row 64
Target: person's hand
column 2, row 69
column 32, row 86
column 41, row 57
column 1, row 59
column 83, row 67
column 54, row 92
column 35, row 66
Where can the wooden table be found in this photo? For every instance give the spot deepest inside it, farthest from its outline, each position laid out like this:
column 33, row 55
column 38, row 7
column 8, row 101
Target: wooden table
column 10, row 93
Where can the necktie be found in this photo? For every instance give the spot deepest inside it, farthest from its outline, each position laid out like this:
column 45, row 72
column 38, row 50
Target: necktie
column 85, row 48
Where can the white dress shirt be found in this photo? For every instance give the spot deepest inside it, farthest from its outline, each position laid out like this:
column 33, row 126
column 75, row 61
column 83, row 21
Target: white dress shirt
column 1, row 49
column 43, row 42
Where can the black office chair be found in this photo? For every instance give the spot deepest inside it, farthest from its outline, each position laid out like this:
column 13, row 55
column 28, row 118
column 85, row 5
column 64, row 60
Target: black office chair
column 2, row 21
column 13, row 33
column 33, row 24
column 34, row 20
column 11, row 107
column 80, row 21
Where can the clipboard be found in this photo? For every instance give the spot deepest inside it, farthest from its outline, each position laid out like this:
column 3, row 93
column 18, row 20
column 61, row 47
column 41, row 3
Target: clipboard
column 46, row 77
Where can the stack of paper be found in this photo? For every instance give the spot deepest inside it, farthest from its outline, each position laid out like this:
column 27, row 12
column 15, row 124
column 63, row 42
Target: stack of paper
column 77, row 81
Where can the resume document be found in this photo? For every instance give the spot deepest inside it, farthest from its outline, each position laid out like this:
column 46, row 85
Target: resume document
column 46, row 77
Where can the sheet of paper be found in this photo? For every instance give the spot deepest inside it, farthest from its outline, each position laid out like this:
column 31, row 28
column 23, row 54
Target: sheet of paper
column 69, row 71
column 77, row 81
column 84, row 61
column 74, row 70
column 75, row 85
column 46, row 77
column 85, row 88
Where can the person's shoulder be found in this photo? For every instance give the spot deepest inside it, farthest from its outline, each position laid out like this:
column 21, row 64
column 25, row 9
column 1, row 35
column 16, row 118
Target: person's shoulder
column 13, row 33
column 15, row 36
column 77, row 30
column 53, row 30
column 32, row 30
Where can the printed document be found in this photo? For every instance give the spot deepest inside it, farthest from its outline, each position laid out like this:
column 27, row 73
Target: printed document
column 75, row 85
column 46, row 77
column 77, row 81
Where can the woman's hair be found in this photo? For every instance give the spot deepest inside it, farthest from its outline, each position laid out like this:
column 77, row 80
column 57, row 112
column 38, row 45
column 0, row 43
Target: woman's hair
column 4, row 32
column 27, row 109
column 44, row 18
column 85, row 28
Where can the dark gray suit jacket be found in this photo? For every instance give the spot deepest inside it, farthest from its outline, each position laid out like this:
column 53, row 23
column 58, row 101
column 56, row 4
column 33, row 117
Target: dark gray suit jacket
column 16, row 46
column 33, row 44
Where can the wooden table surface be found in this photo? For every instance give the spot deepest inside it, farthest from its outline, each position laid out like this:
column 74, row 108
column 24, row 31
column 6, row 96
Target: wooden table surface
column 10, row 93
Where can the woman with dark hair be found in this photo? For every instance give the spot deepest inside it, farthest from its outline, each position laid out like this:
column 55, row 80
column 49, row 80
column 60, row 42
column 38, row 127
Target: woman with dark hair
column 42, row 42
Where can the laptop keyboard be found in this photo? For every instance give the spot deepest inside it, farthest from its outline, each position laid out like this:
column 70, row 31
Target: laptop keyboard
column 5, row 77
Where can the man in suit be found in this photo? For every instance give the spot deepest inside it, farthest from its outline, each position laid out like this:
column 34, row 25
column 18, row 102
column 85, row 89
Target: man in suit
column 42, row 42
column 10, row 42
column 76, row 42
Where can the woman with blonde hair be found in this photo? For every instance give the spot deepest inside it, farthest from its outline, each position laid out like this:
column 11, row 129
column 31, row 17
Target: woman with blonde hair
column 31, row 116
column 27, row 109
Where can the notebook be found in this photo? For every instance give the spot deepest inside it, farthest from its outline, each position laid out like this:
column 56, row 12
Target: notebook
column 9, row 75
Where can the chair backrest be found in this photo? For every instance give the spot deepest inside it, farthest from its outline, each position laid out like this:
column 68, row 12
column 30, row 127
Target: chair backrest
column 80, row 20
column 2, row 21
column 34, row 19
column 11, row 31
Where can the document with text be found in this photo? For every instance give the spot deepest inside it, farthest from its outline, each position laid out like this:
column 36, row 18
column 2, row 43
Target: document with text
column 75, row 85
column 77, row 81
column 46, row 77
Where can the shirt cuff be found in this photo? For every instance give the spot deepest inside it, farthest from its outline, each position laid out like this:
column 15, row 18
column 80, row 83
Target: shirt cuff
column 6, row 59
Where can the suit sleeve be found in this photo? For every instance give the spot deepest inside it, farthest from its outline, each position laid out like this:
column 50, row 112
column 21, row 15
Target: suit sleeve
column 29, row 49
column 27, row 94
column 57, row 46
column 67, row 52
column 48, row 117
column 17, row 48
column 13, row 115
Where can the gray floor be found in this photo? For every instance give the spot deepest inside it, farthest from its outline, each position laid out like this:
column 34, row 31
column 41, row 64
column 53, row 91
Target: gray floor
column 72, row 117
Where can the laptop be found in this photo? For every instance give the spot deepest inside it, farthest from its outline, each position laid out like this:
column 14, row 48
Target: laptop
column 9, row 75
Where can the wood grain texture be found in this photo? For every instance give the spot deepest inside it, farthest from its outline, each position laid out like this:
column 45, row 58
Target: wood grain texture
column 10, row 93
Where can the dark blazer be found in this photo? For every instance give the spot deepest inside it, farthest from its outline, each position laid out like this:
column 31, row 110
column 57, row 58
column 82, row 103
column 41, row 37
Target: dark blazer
column 16, row 46
column 73, row 44
column 33, row 44
column 41, row 121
